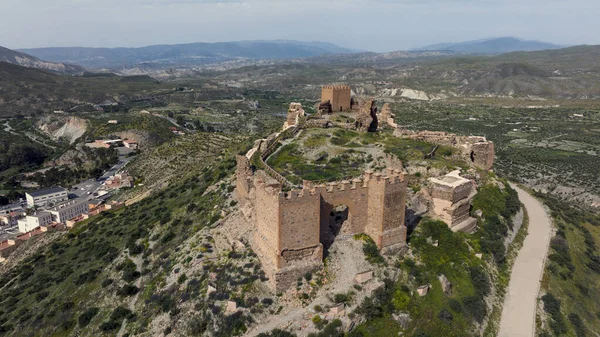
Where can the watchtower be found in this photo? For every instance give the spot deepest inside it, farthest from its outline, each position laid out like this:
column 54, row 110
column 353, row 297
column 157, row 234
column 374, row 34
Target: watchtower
column 339, row 97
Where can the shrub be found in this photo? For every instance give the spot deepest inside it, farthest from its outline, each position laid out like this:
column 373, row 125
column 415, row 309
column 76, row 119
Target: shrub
column 340, row 298
column 276, row 333
column 182, row 278
column 552, row 307
column 445, row 316
column 86, row 317
column 400, row 300
column 577, row 325
column 455, row 305
column 475, row 307
column 107, row 282
column 480, row 281
column 109, row 326
column 128, row 290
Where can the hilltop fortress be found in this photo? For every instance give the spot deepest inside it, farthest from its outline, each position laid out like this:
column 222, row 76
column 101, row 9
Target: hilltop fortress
column 294, row 225
column 292, row 229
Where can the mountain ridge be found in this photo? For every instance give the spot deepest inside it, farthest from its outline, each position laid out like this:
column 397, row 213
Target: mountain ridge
column 499, row 45
column 29, row 61
column 197, row 53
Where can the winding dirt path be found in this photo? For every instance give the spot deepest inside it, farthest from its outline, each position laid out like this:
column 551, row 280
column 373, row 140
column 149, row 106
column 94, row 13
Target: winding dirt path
column 518, row 313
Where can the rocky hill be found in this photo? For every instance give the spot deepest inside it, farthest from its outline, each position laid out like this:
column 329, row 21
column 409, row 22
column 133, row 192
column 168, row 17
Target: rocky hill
column 24, row 90
column 25, row 60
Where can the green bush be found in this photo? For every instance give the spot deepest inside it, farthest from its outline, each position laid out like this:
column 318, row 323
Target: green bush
column 578, row 325
column 400, row 300
column 552, row 307
column 86, row 317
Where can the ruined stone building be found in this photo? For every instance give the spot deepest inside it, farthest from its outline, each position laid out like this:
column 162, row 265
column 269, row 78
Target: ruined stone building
column 452, row 196
column 293, row 229
column 295, row 112
column 386, row 117
column 337, row 96
column 477, row 150
column 366, row 121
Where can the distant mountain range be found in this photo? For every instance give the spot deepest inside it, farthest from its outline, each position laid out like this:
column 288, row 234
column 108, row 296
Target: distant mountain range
column 15, row 57
column 499, row 45
column 186, row 54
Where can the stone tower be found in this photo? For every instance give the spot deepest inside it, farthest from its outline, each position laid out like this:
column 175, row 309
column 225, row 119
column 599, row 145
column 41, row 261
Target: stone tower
column 338, row 95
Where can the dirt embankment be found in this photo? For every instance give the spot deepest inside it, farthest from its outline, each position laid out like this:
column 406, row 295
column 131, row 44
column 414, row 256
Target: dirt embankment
column 143, row 138
column 69, row 127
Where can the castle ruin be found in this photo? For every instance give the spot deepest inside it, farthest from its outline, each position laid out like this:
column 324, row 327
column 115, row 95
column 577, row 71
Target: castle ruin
column 293, row 229
column 452, row 195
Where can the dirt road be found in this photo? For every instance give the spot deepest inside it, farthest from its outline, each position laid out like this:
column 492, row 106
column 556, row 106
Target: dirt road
column 518, row 314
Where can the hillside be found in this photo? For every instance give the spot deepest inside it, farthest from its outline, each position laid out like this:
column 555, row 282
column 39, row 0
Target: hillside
column 25, row 60
column 24, row 91
column 491, row 46
column 186, row 54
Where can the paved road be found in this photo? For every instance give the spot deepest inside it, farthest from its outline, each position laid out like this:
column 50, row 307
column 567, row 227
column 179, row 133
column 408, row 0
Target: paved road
column 93, row 185
column 518, row 314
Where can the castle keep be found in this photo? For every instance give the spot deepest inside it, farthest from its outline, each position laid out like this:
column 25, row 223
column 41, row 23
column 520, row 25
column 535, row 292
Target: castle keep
column 338, row 97
column 292, row 229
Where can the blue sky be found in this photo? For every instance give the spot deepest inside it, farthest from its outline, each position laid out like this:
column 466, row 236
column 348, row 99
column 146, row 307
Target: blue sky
column 376, row 25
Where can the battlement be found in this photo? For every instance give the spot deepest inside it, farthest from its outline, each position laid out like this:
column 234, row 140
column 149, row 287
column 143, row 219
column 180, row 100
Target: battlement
column 336, row 87
column 391, row 177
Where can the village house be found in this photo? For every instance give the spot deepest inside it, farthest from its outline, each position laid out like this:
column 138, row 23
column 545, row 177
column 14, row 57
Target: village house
column 119, row 181
column 9, row 220
column 69, row 210
column 45, row 197
column 31, row 222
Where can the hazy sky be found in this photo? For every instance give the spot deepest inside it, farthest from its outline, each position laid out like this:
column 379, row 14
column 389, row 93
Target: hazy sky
column 376, row 25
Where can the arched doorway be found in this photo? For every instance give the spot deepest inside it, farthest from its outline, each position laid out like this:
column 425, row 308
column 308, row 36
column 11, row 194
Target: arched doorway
column 338, row 225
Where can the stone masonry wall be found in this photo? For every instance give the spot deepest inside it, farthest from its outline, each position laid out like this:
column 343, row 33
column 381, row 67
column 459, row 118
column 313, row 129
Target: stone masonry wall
column 338, row 95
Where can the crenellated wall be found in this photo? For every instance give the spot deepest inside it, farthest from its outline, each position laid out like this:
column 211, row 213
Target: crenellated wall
column 292, row 227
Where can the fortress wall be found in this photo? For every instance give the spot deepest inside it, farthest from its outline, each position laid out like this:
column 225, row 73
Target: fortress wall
column 266, row 237
column 387, row 196
column 243, row 176
column 483, row 155
column 352, row 194
column 299, row 214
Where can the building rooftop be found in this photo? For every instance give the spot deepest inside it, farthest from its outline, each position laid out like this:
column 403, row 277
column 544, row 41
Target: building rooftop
column 11, row 207
column 65, row 204
column 40, row 214
column 47, row 191
column 452, row 179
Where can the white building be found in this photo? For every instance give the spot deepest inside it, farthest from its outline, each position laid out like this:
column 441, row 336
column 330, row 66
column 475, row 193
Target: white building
column 31, row 222
column 69, row 210
column 11, row 208
column 130, row 144
column 52, row 195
